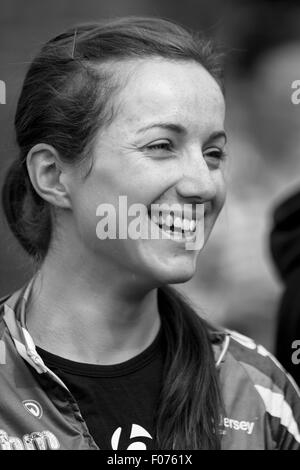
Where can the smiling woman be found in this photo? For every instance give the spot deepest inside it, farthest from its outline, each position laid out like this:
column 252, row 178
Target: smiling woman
column 128, row 108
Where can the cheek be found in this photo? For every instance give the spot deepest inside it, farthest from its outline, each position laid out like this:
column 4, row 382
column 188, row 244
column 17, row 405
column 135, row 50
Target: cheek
column 221, row 188
column 84, row 205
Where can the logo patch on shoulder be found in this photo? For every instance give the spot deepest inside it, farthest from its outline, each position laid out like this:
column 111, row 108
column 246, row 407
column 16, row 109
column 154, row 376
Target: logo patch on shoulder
column 33, row 407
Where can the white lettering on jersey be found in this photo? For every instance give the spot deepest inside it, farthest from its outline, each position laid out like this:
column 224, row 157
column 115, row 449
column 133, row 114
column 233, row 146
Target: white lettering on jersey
column 44, row 440
column 236, row 425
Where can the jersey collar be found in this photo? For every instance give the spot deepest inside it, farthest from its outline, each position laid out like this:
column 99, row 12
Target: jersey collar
column 15, row 320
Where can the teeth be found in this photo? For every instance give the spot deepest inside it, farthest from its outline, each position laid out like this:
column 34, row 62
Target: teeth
column 169, row 221
column 192, row 225
column 186, row 224
column 178, row 222
column 154, row 218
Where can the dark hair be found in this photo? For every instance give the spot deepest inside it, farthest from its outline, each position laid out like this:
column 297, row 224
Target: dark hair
column 67, row 96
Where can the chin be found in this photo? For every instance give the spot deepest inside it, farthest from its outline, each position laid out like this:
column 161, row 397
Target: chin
column 179, row 274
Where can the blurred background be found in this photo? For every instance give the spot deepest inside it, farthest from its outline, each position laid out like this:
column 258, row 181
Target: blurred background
column 237, row 284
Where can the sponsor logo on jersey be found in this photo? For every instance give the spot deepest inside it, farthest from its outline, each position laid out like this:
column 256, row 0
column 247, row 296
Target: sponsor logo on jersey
column 44, row 440
column 137, row 431
column 33, row 407
column 236, row 425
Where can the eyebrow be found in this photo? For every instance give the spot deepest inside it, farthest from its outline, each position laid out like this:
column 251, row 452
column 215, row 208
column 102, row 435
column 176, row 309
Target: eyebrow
column 182, row 130
column 217, row 135
column 165, row 125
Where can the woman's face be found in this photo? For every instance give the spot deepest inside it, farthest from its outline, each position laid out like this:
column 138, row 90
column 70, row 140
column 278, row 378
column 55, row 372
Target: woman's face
column 164, row 146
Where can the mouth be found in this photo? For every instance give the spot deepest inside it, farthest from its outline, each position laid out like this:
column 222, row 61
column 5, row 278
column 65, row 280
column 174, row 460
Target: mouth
column 175, row 225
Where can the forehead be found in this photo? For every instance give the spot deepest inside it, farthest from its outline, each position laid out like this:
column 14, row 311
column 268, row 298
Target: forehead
column 163, row 89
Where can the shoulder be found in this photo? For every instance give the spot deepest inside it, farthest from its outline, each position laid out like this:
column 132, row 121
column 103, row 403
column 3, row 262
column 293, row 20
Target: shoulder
column 263, row 369
column 2, row 311
column 4, row 298
column 254, row 373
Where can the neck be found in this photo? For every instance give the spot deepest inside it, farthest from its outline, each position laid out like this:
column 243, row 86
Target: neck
column 88, row 316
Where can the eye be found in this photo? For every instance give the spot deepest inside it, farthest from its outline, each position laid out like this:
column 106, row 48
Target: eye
column 161, row 145
column 215, row 156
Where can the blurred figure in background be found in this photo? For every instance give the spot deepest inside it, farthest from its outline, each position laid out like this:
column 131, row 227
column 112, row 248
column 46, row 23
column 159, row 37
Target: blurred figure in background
column 285, row 247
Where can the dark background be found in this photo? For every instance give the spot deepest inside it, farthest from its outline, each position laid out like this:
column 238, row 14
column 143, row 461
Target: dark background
column 236, row 283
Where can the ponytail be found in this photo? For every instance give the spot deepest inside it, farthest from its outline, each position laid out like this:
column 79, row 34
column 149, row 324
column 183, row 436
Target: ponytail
column 190, row 403
column 27, row 214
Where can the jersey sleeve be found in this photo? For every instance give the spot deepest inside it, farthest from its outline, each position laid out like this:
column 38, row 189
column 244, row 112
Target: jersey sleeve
column 276, row 389
column 282, row 402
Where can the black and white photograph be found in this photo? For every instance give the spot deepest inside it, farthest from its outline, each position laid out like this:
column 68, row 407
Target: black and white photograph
column 149, row 227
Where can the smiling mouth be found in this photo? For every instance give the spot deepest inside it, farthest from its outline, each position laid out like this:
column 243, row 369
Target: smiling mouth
column 174, row 225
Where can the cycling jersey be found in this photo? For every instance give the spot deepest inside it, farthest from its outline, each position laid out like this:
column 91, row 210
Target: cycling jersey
column 37, row 411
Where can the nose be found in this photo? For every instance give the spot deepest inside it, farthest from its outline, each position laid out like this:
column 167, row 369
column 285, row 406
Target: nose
column 196, row 182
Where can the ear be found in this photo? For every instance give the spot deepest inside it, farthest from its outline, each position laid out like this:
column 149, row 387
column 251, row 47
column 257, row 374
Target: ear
column 48, row 175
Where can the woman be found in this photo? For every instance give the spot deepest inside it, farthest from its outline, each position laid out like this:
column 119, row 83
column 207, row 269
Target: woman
column 99, row 351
